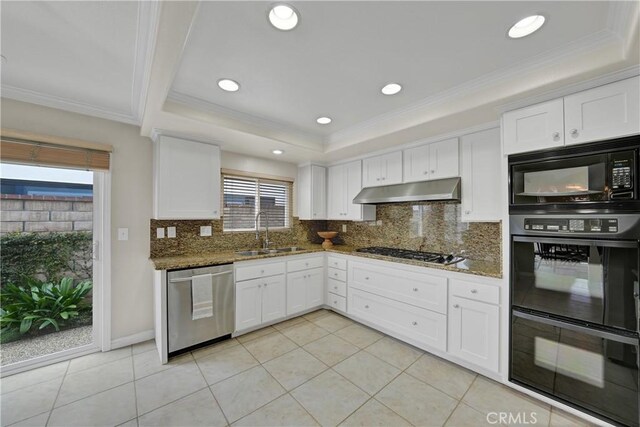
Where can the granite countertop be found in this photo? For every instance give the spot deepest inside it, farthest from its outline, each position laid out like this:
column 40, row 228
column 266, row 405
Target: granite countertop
column 476, row 267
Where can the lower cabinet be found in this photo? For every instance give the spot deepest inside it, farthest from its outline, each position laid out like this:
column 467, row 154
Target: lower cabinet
column 305, row 290
column 474, row 332
column 259, row 301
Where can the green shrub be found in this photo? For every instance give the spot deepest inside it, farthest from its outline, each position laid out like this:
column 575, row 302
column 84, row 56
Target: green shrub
column 48, row 256
column 41, row 304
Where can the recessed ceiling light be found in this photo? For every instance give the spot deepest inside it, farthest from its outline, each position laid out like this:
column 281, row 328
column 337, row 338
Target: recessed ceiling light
column 228, row 85
column 278, row 152
column 323, row 120
column 283, row 16
column 526, row 26
column 391, row 89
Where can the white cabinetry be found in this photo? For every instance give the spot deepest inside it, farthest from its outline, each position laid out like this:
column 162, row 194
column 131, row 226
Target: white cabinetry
column 385, row 169
column 603, row 112
column 481, row 183
column 305, row 283
column 186, row 179
column 312, row 192
column 431, row 161
column 260, row 293
column 337, row 283
column 344, row 183
column 474, row 323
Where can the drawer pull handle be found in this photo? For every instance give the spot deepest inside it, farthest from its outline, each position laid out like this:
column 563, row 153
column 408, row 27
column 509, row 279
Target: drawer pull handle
column 414, row 323
column 366, row 306
column 335, row 302
column 265, row 285
column 335, row 287
column 474, row 291
column 415, row 289
column 456, row 306
column 366, row 278
column 261, row 271
column 259, row 286
column 306, row 264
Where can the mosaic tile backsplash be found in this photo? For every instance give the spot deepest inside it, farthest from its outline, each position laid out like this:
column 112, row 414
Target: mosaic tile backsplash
column 431, row 227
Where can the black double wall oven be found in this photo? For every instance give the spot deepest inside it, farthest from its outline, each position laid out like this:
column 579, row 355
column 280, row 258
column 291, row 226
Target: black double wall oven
column 575, row 262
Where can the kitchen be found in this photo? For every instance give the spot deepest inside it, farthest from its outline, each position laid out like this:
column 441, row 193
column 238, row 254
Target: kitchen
column 449, row 197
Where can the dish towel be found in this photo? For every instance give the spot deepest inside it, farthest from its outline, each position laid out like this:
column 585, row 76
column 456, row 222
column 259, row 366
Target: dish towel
column 201, row 297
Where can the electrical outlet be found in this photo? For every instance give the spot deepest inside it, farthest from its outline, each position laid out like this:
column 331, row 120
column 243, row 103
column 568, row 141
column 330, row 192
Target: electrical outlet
column 171, row 232
column 123, row 234
column 160, row 233
column 205, row 230
column 344, row 228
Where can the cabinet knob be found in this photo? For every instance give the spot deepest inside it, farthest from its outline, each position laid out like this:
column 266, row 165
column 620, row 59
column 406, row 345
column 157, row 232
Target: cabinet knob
column 335, row 274
column 259, row 286
column 415, row 289
column 574, row 132
column 306, row 264
column 456, row 306
column 366, row 278
column 414, row 323
column 474, row 291
column 467, row 212
column 261, row 271
column 335, row 287
column 433, row 171
column 377, row 179
column 265, row 285
column 384, row 177
column 425, row 173
column 335, row 302
column 556, row 135
column 366, row 306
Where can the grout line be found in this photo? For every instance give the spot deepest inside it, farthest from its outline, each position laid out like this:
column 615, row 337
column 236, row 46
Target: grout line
column 173, row 401
column 53, row 405
column 135, row 389
column 211, row 391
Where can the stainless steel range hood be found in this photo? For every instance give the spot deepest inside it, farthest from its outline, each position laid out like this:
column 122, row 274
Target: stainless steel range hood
column 441, row 189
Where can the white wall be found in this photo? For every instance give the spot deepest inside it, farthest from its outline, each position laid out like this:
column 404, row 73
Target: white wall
column 131, row 192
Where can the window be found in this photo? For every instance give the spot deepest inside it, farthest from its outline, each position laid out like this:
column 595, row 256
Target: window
column 244, row 197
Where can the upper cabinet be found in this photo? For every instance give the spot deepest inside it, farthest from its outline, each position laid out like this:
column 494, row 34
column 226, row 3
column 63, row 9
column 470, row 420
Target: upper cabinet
column 431, row 161
column 186, row 179
column 344, row 183
column 312, row 192
column 481, row 183
column 604, row 112
column 385, row 169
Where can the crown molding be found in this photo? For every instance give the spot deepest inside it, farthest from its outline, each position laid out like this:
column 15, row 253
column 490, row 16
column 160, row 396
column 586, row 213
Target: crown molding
column 604, row 79
column 584, row 45
column 60, row 103
column 621, row 16
column 240, row 117
column 146, row 35
column 157, row 133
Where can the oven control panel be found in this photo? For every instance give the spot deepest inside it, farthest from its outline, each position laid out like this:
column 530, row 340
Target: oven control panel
column 622, row 169
column 572, row 225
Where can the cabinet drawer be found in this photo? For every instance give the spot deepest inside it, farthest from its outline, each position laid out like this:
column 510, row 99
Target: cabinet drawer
column 336, row 274
column 415, row 323
column 475, row 291
column 335, row 262
column 304, row 264
column 257, row 271
column 337, row 287
column 422, row 290
column 337, row 302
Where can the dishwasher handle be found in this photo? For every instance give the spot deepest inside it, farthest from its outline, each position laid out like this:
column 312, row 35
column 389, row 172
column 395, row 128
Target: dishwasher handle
column 188, row 279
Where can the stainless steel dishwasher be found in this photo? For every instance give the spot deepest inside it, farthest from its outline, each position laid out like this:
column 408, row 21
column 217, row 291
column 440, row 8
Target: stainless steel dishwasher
column 183, row 331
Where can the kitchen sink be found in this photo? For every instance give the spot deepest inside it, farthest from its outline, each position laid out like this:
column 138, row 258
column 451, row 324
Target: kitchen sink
column 255, row 252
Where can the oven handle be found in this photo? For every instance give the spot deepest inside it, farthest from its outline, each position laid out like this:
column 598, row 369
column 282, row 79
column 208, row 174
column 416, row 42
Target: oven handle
column 582, row 329
column 578, row 242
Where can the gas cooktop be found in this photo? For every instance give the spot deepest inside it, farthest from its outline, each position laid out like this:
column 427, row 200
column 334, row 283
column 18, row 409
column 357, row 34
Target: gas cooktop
column 431, row 257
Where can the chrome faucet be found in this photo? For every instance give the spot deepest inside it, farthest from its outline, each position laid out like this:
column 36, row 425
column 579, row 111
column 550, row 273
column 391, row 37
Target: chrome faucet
column 266, row 242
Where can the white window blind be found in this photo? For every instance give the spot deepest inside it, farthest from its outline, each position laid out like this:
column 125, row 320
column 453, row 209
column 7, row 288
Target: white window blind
column 244, row 197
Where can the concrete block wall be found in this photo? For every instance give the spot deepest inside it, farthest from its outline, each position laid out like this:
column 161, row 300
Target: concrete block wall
column 20, row 213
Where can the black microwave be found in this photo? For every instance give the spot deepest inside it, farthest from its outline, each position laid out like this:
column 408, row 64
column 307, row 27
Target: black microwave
column 600, row 177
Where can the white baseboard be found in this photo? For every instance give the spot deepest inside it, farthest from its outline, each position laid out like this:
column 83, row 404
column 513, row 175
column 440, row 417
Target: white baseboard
column 133, row 339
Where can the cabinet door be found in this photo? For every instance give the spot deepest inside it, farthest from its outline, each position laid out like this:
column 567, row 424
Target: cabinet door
column 416, row 163
column 187, row 179
column 391, row 168
column 604, row 112
column 336, row 193
column 481, row 183
column 296, row 292
column 353, row 184
column 248, row 304
column 371, row 173
column 534, row 128
column 304, row 193
column 444, row 159
column 474, row 332
column 318, row 192
column 315, row 287
column 274, row 298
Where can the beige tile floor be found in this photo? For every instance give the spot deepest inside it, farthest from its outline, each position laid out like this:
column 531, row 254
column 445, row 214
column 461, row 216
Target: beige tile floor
column 318, row 369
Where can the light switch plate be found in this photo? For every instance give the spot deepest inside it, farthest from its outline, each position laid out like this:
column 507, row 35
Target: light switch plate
column 344, row 228
column 160, row 233
column 123, row 234
column 205, row 230
column 171, row 232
